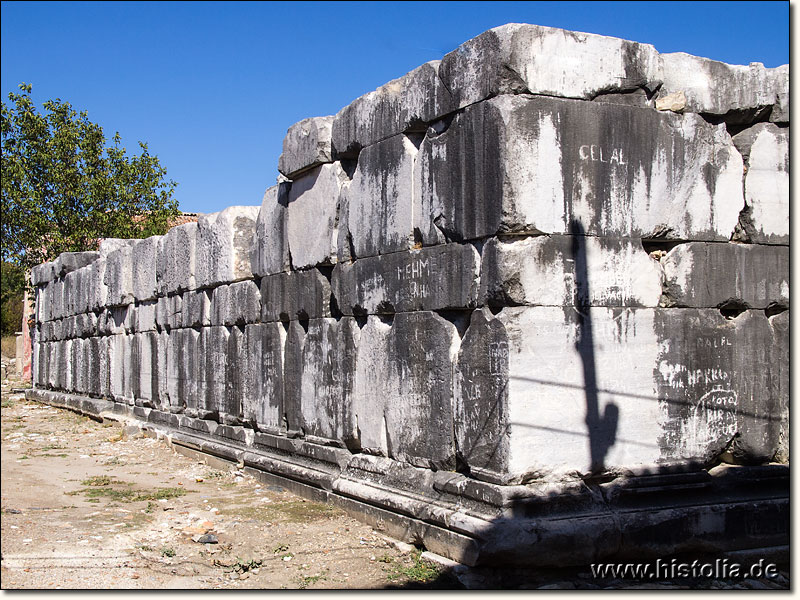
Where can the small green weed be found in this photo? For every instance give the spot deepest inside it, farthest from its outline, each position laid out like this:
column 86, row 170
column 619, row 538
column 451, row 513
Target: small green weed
column 7, row 403
column 167, row 551
column 280, row 548
column 303, row 581
column 419, row 571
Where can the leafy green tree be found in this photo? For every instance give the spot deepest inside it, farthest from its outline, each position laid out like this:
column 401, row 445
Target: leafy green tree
column 63, row 189
column 12, row 284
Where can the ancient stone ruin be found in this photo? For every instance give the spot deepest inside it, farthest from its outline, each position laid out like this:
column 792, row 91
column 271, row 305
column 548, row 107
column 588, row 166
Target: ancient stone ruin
column 526, row 305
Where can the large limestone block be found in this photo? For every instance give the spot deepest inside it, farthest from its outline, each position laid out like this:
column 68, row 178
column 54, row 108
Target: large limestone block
column 224, row 243
column 780, row 82
column 144, row 256
column 545, row 391
column 72, row 261
column 213, row 354
column 737, row 92
column 307, row 144
column 176, row 259
column 235, row 376
column 766, row 184
column 780, row 361
column 541, row 165
column 722, row 384
column 169, row 312
column 121, row 367
column 561, row 270
column 328, row 369
column 292, row 416
column 238, row 303
column 148, row 349
column 702, row 274
column 408, row 103
column 518, row 58
column 144, row 316
column 295, row 295
column 263, row 404
column 43, row 274
column 185, row 369
column 195, row 310
column 436, row 278
column 270, row 252
column 118, row 276
column 402, row 393
column 97, row 289
column 313, row 216
column 380, row 199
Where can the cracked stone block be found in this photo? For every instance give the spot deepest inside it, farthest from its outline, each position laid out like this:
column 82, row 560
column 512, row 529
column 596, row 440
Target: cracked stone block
column 263, row 404
column 43, row 274
column 176, row 259
column 435, row 278
column 72, row 261
column 295, row 295
column 328, row 369
column 780, row 110
column 517, row 164
column 97, row 289
column 780, row 372
column 307, row 144
column 118, row 277
column 109, row 245
column 120, row 360
column 408, row 103
column 270, row 252
column 77, row 367
column 144, row 256
column 238, row 303
column 313, row 216
column 765, row 218
column 519, row 58
column 196, row 308
column 403, row 384
column 380, row 199
column 560, row 270
column 739, row 93
column 224, row 243
column 169, row 312
column 144, row 316
column 147, row 347
column 708, row 275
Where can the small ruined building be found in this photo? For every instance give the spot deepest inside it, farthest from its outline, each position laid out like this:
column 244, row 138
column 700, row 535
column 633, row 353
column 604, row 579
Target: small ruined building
column 526, row 305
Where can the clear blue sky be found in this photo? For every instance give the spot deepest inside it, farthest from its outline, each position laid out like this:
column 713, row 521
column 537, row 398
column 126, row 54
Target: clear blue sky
column 212, row 87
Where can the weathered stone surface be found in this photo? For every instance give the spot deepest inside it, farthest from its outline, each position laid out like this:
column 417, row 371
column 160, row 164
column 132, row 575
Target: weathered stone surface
column 263, row 404
column 739, row 93
column 169, row 312
column 213, row 352
column 708, row 275
column 143, row 257
column 615, row 387
column 403, row 384
column 144, row 316
column 72, row 261
column 780, row 82
column 224, row 245
column 307, row 144
column 292, row 416
column 537, row 165
column 147, row 384
column 435, row 278
column 235, row 376
column 408, row 103
column 43, row 273
column 270, row 251
column 380, row 200
column 109, row 245
column 313, row 216
column 186, row 372
column 238, row 303
column 295, row 295
column 118, row 277
column 98, row 291
column 176, row 259
column 518, row 58
column 561, row 270
column 780, row 375
column 714, row 396
column 328, row 369
column 195, row 309
column 766, row 215
column 480, row 393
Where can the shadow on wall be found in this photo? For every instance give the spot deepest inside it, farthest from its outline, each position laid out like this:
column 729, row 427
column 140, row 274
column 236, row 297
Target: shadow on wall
column 602, row 429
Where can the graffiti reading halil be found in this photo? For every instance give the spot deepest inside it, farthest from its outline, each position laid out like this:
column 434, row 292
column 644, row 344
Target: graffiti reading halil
column 526, row 305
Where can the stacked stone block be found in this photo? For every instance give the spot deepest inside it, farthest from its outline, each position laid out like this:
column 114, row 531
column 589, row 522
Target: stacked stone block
column 547, row 254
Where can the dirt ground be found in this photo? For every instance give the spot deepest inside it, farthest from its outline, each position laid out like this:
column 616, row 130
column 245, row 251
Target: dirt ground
column 89, row 505
column 85, row 506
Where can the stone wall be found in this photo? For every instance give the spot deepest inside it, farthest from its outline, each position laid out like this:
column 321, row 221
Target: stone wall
column 549, row 256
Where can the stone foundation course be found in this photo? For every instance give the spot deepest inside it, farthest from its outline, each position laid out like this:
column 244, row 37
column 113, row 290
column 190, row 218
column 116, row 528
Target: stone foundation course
column 526, row 305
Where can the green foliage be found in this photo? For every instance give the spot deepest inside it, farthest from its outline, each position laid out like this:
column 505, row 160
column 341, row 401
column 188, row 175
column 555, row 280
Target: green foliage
column 12, row 286
column 62, row 189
